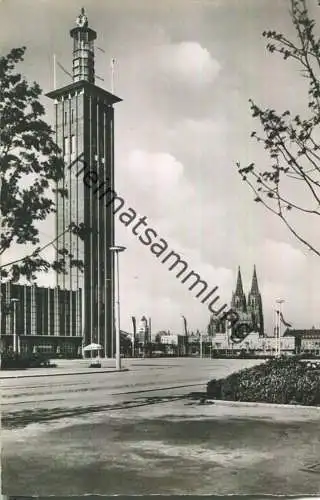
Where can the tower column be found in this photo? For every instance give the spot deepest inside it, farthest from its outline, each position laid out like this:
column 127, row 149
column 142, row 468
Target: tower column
column 84, row 132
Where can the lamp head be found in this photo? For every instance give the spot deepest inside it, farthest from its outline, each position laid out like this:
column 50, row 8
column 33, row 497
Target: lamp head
column 117, row 248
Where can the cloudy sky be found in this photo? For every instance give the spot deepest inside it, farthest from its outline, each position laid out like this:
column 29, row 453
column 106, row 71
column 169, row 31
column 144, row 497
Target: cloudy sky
column 185, row 71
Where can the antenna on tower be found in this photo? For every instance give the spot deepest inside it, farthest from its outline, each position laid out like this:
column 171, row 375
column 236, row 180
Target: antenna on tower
column 64, row 70
column 113, row 61
column 54, row 73
column 99, row 77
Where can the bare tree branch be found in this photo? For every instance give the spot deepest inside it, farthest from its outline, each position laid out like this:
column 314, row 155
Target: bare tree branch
column 291, row 141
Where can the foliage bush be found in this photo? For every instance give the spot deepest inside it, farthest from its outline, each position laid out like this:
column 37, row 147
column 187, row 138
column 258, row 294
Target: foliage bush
column 281, row 381
column 15, row 361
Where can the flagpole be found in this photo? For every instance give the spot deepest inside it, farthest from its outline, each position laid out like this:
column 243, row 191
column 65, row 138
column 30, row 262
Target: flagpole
column 279, row 333
column 280, row 302
column 277, row 329
column 275, row 319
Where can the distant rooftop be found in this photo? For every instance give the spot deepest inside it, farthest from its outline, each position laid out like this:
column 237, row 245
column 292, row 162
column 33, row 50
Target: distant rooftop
column 306, row 333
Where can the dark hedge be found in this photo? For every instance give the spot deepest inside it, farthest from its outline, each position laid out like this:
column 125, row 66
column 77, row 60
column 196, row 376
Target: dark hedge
column 16, row 361
column 281, row 381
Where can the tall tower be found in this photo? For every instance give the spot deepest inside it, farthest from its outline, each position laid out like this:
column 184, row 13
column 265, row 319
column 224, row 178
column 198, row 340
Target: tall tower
column 143, row 330
column 238, row 301
column 84, row 126
column 255, row 305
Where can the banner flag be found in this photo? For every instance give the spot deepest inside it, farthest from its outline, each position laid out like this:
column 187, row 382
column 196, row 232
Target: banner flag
column 285, row 323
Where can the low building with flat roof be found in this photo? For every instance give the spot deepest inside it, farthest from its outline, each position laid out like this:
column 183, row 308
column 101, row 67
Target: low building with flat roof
column 42, row 320
column 253, row 343
column 307, row 341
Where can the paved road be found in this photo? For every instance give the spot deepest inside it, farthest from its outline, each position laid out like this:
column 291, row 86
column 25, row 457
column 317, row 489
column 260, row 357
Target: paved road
column 134, row 432
column 27, row 400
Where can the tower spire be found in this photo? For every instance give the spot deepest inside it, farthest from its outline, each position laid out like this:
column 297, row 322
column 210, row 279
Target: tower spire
column 254, row 285
column 239, row 302
column 255, row 305
column 239, row 287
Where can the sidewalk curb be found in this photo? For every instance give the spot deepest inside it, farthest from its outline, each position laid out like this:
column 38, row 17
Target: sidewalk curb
column 62, row 374
column 250, row 404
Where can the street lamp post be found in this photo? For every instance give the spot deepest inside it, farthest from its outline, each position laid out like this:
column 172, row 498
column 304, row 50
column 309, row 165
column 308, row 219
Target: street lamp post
column 14, row 302
column 116, row 250
column 134, row 328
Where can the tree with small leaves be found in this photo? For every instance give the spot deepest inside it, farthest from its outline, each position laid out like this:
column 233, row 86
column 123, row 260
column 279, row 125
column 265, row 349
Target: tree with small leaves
column 30, row 166
column 290, row 185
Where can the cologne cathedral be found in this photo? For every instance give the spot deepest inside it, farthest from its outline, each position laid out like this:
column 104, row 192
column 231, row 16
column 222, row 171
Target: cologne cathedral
column 249, row 309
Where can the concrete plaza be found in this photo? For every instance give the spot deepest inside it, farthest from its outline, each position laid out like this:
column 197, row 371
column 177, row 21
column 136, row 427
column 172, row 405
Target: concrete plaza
column 136, row 432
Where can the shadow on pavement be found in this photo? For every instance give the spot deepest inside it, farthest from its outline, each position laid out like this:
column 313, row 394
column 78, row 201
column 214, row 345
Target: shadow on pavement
column 26, row 417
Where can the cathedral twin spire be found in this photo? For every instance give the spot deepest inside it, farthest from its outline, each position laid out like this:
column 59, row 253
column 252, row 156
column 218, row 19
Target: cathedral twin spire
column 239, row 286
column 250, row 309
column 254, row 285
column 239, row 293
column 239, row 300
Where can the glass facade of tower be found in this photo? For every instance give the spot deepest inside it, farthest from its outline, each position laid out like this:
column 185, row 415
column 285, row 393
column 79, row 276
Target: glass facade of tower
column 44, row 319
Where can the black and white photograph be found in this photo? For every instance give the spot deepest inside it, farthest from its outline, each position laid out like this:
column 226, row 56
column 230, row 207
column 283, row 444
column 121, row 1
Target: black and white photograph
column 160, row 248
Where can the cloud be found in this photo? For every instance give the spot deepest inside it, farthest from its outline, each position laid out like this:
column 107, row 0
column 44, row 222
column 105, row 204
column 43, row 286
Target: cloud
column 169, row 81
column 188, row 62
column 199, row 137
column 203, row 145
column 155, row 183
column 158, row 186
column 149, row 287
column 283, row 272
column 281, row 261
column 151, row 170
